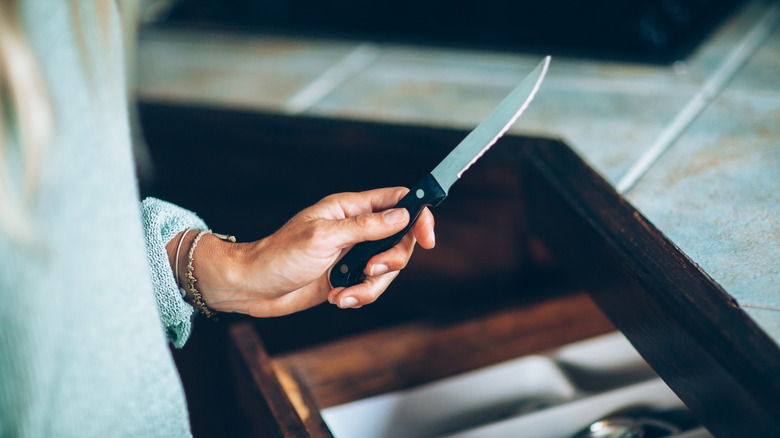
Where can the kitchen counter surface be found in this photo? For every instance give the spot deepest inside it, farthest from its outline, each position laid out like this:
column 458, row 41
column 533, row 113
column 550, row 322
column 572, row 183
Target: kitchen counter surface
column 695, row 146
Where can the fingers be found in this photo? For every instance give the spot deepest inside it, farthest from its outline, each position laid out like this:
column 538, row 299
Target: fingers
column 423, row 230
column 366, row 215
column 361, row 294
column 355, row 204
column 369, row 216
column 370, row 226
column 380, row 271
column 394, row 259
column 397, row 258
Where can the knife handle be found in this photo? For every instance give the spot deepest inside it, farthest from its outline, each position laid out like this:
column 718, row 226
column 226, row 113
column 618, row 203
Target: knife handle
column 349, row 270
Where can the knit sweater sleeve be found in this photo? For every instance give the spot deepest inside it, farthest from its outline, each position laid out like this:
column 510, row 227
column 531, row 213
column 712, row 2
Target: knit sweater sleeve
column 162, row 222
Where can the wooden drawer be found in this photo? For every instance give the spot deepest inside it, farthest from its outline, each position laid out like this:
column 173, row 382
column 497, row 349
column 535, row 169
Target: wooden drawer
column 534, row 251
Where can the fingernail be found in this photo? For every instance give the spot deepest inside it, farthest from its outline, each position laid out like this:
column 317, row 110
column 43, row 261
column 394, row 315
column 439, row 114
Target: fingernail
column 393, row 216
column 348, row 302
column 378, row 269
column 433, row 238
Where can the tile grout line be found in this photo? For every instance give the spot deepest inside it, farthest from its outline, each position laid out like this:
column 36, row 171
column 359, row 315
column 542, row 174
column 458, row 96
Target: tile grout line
column 352, row 64
column 714, row 84
column 760, row 307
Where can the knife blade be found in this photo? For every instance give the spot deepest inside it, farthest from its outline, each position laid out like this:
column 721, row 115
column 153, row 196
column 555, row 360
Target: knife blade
column 433, row 188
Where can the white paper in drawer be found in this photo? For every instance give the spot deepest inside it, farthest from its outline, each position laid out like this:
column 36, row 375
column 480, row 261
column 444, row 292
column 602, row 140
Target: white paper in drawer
column 452, row 404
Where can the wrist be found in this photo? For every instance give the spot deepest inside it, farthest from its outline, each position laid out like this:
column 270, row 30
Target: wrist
column 216, row 267
column 177, row 249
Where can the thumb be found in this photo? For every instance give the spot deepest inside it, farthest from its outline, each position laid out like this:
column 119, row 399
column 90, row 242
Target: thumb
column 371, row 226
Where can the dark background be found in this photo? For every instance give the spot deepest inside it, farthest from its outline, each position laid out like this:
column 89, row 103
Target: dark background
column 655, row 31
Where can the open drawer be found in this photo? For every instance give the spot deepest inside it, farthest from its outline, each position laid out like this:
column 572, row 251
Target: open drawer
column 535, row 252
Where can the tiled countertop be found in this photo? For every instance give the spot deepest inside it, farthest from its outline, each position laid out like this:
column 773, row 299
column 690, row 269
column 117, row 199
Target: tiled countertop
column 713, row 191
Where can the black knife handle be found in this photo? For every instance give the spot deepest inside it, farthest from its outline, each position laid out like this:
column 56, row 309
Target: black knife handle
column 349, row 270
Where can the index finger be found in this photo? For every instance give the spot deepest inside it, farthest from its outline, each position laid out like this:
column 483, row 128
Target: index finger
column 370, row 201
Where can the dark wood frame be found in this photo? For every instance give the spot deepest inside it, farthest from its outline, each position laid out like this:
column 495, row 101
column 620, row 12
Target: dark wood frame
column 690, row 330
column 709, row 351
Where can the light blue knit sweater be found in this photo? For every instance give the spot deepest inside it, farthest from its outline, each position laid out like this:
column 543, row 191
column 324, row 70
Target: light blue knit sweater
column 85, row 313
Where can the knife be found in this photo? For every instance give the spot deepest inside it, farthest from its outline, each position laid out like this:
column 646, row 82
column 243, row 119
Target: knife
column 431, row 190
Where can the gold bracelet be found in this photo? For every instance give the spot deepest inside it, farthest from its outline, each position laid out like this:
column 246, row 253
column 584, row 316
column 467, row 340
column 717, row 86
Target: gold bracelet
column 176, row 272
column 197, row 298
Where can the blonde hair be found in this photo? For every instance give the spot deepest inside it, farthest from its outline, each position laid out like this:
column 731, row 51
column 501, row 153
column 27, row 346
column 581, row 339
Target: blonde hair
column 26, row 110
column 26, row 122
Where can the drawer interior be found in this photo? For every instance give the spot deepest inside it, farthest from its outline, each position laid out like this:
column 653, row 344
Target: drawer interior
column 549, row 394
column 534, row 252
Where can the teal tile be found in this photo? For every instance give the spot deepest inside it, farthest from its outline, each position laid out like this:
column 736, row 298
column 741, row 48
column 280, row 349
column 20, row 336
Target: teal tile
column 710, row 55
column 714, row 194
column 609, row 114
column 228, row 69
column 761, row 74
column 610, row 130
column 419, row 101
column 768, row 320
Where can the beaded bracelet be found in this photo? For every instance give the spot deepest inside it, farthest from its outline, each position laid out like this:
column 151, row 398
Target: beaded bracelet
column 197, row 298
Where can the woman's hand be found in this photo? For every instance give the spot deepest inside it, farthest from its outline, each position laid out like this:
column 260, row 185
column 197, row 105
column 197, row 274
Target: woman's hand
column 287, row 271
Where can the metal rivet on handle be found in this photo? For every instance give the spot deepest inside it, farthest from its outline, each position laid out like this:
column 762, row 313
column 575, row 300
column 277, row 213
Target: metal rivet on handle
column 420, row 193
column 344, row 268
